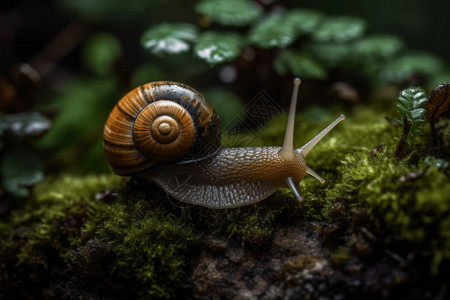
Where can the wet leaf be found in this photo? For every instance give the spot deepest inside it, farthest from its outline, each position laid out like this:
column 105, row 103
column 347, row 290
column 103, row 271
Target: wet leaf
column 411, row 107
column 229, row 12
column 299, row 64
column 26, row 124
column 439, row 103
column 377, row 47
column 20, row 169
column 273, row 31
column 217, row 47
column 339, row 29
column 100, row 51
column 418, row 113
column 405, row 66
column 303, row 20
column 169, row 38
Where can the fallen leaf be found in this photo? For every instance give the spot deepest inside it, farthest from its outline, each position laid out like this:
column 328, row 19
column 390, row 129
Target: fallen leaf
column 439, row 103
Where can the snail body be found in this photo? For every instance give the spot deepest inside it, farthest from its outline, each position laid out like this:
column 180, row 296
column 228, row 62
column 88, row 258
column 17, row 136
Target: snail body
column 167, row 133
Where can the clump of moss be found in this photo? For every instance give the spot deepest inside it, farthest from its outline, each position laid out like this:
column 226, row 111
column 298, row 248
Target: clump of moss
column 151, row 245
column 254, row 225
column 74, row 222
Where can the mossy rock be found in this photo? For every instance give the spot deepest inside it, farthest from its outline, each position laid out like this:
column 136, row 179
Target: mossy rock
column 102, row 236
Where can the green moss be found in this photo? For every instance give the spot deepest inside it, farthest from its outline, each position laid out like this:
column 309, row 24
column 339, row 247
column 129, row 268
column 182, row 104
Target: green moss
column 103, row 224
column 69, row 218
column 340, row 256
column 253, row 225
column 150, row 246
column 54, row 219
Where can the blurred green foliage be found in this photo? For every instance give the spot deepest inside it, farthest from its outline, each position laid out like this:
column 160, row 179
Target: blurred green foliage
column 100, row 52
column 230, row 12
column 20, row 168
column 330, row 42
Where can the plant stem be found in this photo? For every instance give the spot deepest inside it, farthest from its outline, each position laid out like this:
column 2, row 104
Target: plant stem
column 402, row 147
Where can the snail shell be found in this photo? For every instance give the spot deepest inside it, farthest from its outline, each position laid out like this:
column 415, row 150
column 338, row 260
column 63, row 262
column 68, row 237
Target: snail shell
column 160, row 121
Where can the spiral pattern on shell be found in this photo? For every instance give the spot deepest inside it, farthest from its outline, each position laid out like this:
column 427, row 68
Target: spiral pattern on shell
column 160, row 122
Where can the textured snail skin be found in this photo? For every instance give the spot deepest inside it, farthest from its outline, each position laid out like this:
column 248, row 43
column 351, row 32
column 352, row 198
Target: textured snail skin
column 234, row 177
column 167, row 133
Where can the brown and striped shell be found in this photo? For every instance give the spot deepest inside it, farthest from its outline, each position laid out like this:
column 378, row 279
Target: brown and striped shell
column 160, row 121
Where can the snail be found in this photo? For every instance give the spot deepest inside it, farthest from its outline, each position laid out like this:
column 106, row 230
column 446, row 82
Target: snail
column 167, row 133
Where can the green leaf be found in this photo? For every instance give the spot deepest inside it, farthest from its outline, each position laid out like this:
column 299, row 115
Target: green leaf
column 20, row 168
column 83, row 107
column 26, row 124
column 411, row 105
column 229, row 12
column 339, row 29
column 377, row 47
column 218, row 47
column 418, row 113
column 405, row 66
column 405, row 102
column 169, row 38
column 100, row 51
column 330, row 54
column 273, row 32
column 303, row 20
column 299, row 64
column 404, row 112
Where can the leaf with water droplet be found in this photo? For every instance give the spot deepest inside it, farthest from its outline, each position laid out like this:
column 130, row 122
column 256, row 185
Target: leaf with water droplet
column 169, row 38
column 339, row 29
column 218, row 47
column 26, row 124
column 273, row 31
